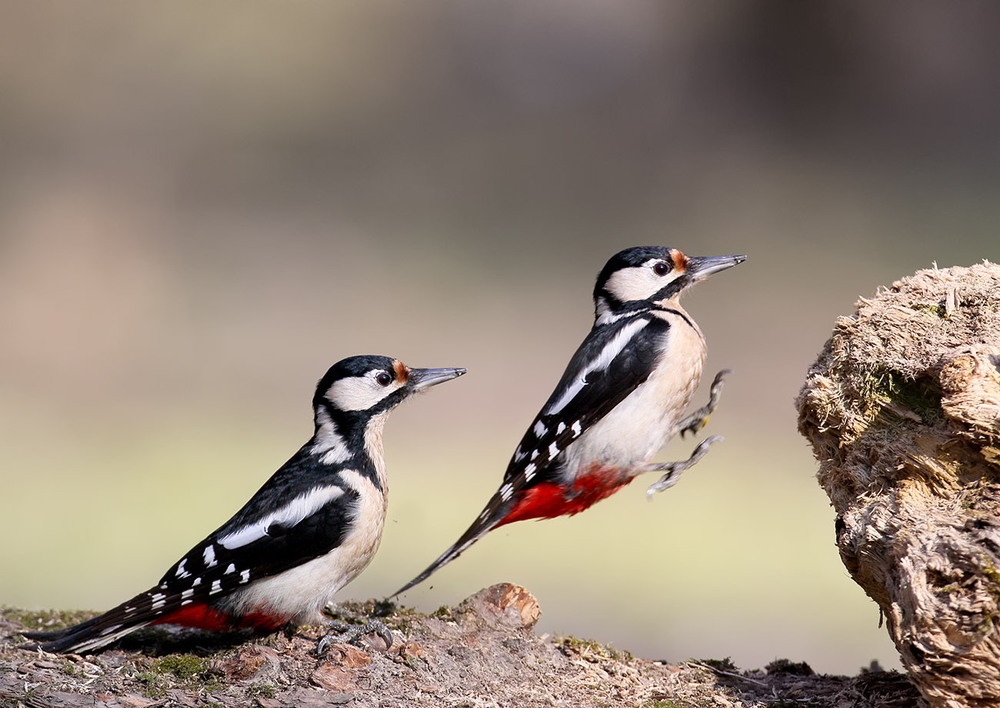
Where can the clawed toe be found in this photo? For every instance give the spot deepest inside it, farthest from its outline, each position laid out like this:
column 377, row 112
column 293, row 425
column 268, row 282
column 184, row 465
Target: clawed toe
column 346, row 633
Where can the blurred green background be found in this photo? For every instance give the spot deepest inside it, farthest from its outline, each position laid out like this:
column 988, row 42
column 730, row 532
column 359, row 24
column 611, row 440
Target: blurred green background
column 204, row 205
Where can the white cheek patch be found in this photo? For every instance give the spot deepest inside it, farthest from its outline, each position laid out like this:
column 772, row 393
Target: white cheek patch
column 640, row 282
column 358, row 393
column 292, row 513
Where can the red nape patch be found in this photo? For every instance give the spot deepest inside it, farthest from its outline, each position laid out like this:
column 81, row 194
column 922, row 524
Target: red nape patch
column 205, row 617
column 547, row 500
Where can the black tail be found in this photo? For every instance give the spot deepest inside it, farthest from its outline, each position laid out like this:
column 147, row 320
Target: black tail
column 102, row 630
column 88, row 635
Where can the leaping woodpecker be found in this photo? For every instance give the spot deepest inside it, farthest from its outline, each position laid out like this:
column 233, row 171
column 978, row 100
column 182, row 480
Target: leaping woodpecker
column 619, row 401
column 310, row 530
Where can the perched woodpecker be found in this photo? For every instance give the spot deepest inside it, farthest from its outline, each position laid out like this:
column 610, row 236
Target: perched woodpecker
column 619, row 401
column 310, row 530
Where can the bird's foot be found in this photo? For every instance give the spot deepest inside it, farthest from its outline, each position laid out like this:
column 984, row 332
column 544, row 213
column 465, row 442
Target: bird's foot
column 697, row 420
column 673, row 470
column 348, row 633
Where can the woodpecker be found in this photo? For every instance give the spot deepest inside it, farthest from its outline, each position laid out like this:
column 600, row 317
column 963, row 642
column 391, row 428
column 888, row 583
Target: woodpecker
column 307, row 532
column 619, row 401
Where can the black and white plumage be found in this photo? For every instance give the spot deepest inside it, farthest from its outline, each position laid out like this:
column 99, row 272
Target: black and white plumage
column 307, row 532
column 619, row 401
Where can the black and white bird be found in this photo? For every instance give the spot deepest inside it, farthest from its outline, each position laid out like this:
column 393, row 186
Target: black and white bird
column 621, row 398
column 310, row 530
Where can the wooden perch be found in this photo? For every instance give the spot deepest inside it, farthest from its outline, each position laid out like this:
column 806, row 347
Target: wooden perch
column 902, row 408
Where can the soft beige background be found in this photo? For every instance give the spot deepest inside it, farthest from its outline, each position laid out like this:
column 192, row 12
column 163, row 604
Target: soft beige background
column 203, row 205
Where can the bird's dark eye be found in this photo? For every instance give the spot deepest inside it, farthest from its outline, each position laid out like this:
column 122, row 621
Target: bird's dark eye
column 661, row 268
column 383, row 378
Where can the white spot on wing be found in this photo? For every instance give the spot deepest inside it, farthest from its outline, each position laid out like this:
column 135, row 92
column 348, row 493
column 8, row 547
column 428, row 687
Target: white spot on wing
column 216, row 587
column 560, row 428
column 540, row 429
column 529, row 471
column 231, row 568
column 181, row 572
column 506, row 491
column 245, row 576
column 576, row 428
column 553, row 450
column 611, row 350
column 187, row 593
column 292, row 513
column 209, row 556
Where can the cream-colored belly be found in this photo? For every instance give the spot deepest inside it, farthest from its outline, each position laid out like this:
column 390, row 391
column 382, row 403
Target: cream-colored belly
column 636, row 429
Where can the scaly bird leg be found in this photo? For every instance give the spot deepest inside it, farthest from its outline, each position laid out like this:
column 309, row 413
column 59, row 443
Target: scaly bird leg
column 697, row 420
column 351, row 632
column 673, row 469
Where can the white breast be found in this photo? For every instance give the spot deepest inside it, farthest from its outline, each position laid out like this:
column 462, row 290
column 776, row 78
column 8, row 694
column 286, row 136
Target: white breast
column 641, row 424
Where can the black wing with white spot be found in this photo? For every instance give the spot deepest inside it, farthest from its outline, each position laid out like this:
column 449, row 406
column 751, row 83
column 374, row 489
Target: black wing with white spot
column 610, row 364
column 261, row 540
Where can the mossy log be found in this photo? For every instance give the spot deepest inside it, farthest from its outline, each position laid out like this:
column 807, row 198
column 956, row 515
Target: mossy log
column 902, row 408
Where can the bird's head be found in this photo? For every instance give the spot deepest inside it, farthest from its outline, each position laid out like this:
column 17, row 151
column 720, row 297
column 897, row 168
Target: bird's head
column 651, row 274
column 365, row 386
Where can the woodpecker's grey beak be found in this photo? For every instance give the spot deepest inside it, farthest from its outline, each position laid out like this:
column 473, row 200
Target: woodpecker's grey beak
column 701, row 268
column 420, row 379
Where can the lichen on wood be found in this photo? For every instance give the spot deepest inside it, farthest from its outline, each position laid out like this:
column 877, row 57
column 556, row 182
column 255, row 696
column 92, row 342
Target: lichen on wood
column 902, row 408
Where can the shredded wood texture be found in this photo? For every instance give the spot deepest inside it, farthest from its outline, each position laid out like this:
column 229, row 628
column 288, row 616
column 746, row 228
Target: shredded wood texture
column 902, row 408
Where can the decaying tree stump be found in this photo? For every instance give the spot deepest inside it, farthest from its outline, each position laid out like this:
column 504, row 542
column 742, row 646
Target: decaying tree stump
column 902, row 408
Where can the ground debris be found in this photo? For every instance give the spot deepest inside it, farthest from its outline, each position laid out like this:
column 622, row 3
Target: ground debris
column 481, row 653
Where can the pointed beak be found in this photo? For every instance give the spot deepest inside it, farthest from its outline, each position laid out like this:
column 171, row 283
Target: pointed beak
column 700, row 268
column 420, row 379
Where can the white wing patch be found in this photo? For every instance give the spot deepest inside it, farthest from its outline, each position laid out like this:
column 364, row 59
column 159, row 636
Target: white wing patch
column 292, row 513
column 611, row 350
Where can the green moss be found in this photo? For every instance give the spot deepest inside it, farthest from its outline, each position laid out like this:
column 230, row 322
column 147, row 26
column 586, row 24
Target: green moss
column 721, row 664
column 928, row 309
column 45, row 620
column 443, row 613
column 153, row 684
column 889, row 395
column 575, row 645
column 181, row 666
column 261, row 690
